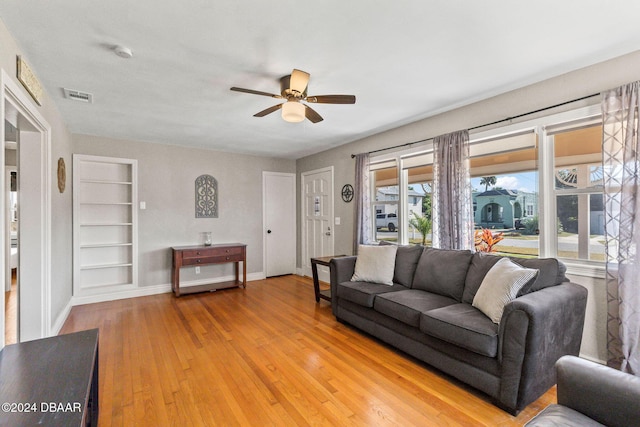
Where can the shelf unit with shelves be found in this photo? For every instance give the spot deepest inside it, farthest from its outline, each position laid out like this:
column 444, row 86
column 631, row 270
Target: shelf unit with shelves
column 105, row 224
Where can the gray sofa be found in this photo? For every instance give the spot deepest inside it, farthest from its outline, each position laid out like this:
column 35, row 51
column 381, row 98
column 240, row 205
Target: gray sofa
column 590, row 394
column 428, row 313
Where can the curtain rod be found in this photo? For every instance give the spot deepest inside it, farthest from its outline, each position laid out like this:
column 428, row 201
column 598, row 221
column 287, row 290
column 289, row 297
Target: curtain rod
column 406, row 144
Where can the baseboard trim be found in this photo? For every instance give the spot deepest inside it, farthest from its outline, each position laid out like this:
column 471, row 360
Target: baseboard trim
column 145, row 291
column 62, row 317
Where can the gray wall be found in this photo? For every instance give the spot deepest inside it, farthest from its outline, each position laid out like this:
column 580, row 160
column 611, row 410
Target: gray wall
column 572, row 85
column 166, row 176
column 61, row 227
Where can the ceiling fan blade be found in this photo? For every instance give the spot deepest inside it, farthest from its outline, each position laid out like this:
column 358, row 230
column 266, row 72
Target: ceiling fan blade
column 312, row 115
column 255, row 92
column 268, row 111
column 299, row 81
column 332, row 99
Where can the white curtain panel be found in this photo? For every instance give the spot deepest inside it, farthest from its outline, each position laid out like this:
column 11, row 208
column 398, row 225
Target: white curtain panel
column 362, row 197
column 621, row 161
column 452, row 205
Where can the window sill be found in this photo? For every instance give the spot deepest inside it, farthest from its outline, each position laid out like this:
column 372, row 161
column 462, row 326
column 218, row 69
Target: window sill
column 585, row 269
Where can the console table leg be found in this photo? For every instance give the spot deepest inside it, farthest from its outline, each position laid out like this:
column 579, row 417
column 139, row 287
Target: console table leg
column 316, row 283
column 244, row 274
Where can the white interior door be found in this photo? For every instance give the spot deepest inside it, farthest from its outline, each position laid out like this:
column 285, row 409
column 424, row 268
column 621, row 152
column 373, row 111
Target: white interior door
column 279, row 192
column 317, row 212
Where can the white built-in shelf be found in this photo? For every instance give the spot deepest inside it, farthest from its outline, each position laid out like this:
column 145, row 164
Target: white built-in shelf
column 104, row 181
column 105, row 245
column 98, row 266
column 105, row 224
column 106, row 203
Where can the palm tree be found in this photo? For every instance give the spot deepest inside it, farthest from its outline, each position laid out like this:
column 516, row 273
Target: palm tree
column 488, row 181
column 422, row 224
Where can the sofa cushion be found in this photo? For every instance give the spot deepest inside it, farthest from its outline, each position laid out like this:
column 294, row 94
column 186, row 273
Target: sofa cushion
column 552, row 272
column 442, row 272
column 363, row 293
column 462, row 325
column 406, row 306
column 500, row 286
column 375, row 264
column 406, row 262
column 481, row 263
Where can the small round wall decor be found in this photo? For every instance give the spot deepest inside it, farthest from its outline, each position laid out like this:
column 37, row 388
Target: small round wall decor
column 347, row 193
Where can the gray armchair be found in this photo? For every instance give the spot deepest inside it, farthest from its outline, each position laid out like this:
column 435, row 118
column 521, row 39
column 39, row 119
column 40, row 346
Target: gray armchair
column 590, row 394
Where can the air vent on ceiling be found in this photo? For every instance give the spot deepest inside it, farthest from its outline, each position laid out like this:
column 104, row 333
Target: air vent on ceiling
column 76, row 95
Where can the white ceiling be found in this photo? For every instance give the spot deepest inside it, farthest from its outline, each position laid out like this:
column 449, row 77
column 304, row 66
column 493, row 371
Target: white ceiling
column 404, row 60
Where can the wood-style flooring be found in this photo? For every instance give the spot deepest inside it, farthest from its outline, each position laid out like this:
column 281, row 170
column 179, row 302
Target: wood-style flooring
column 267, row 355
column 11, row 312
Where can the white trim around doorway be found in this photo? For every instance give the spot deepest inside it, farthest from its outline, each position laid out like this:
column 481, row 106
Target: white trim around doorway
column 11, row 93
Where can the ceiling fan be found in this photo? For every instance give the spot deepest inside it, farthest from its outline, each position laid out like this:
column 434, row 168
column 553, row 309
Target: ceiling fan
column 293, row 89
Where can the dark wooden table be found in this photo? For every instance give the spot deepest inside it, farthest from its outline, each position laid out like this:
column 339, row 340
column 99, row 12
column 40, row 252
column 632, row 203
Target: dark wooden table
column 205, row 255
column 324, row 260
column 51, row 381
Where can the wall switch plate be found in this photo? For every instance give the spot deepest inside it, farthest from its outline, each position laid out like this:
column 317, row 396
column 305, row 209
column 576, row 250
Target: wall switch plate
column 143, row 205
column 197, row 270
column 337, row 220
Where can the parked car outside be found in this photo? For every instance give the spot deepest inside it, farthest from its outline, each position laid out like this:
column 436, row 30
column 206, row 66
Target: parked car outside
column 388, row 221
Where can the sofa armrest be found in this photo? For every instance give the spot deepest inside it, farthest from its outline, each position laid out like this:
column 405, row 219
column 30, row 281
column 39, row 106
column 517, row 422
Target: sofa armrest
column 604, row 394
column 535, row 331
column 340, row 270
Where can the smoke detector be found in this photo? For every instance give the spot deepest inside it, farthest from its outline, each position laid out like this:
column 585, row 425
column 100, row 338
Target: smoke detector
column 123, row 52
column 77, row 95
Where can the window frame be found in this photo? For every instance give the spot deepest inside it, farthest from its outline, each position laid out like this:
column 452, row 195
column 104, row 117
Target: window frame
column 545, row 127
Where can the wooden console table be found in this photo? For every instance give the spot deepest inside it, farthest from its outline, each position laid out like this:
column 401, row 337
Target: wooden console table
column 51, row 381
column 206, row 255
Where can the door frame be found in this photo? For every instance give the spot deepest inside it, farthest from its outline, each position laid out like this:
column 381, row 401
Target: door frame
column 304, row 264
column 292, row 208
column 8, row 170
column 24, row 107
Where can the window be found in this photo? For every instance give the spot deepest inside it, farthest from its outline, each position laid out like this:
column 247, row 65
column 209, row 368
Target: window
column 529, row 210
column 385, row 200
column 419, row 212
column 418, row 174
column 504, row 181
column 578, row 185
column 539, row 183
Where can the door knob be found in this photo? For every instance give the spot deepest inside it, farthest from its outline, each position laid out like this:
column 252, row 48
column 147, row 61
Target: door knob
column 328, row 233
column 268, row 231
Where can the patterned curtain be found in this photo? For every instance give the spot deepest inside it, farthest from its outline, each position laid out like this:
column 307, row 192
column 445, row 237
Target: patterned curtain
column 621, row 161
column 362, row 196
column 452, row 205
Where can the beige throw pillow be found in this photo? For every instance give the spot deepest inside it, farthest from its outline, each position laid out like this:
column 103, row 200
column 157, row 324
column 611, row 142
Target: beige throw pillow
column 500, row 286
column 375, row 264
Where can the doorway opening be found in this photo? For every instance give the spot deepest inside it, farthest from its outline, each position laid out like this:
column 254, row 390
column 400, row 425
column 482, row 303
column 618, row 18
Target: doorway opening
column 31, row 202
column 11, row 280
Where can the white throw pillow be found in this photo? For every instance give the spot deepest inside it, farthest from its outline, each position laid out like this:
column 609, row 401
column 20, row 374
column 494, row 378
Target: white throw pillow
column 500, row 286
column 375, row 264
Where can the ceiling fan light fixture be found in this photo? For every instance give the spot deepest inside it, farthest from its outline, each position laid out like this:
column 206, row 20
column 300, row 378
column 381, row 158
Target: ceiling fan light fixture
column 293, row 111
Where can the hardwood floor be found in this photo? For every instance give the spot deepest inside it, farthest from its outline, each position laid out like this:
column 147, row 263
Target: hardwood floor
column 11, row 312
column 265, row 355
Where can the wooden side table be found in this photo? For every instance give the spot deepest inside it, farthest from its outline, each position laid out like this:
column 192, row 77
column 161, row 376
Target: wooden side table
column 51, row 381
column 324, row 260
